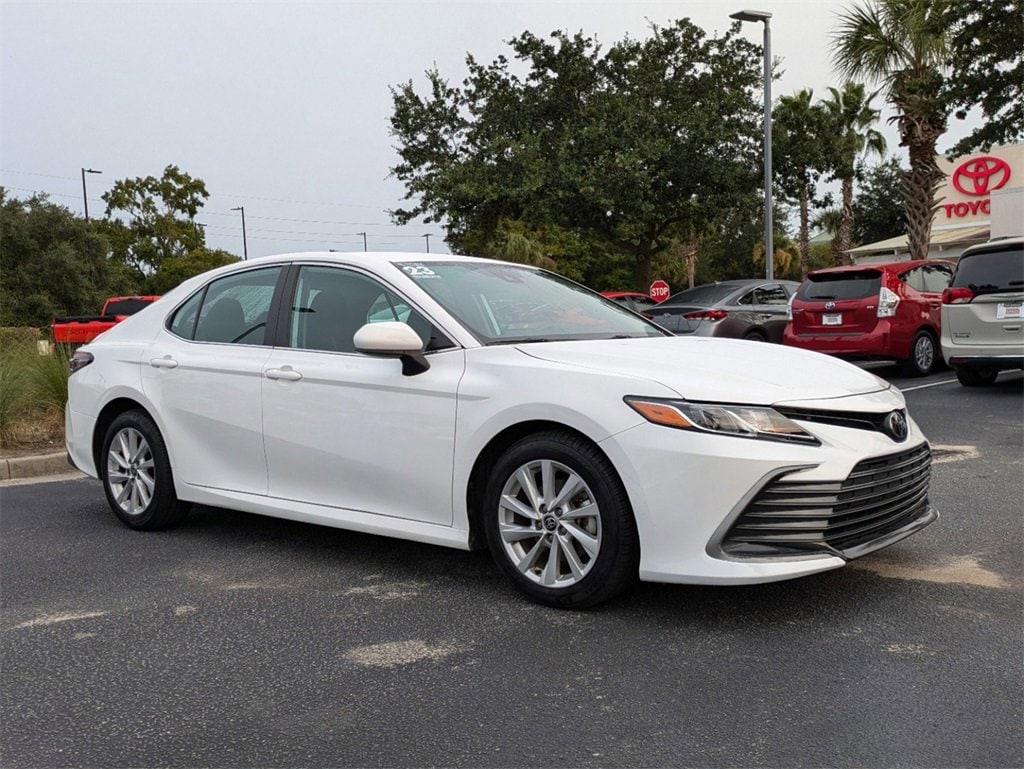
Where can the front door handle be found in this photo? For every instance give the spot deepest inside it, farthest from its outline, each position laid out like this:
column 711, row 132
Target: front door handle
column 165, row 362
column 286, row 373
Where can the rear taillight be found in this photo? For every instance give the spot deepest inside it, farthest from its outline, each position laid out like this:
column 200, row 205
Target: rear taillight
column 960, row 295
column 706, row 315
column 789, row 307
column 79, row 361
column 887, row 302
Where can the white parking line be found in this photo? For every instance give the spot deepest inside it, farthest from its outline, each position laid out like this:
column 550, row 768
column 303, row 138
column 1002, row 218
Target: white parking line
column 922, row 387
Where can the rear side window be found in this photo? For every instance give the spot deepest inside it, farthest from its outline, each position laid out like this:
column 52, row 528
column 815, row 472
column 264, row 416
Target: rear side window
column 990, row 272
column 231, row 310
column 840, row 285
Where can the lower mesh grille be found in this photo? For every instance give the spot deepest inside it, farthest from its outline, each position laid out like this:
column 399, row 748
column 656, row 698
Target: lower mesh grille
column 879, row 498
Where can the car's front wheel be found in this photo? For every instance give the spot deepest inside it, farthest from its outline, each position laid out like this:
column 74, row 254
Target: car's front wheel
column 559, row 523
column 137, row 474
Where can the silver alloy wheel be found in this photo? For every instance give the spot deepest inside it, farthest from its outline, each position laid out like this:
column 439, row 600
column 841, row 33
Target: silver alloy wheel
column 131, row 472
column 549, row 523
column 924, row 353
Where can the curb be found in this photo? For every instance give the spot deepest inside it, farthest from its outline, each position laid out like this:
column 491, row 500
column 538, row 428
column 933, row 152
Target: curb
column 34, row 466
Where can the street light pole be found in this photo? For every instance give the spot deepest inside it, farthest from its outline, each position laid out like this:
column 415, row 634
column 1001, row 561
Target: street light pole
column 85, row 196
column 769, row 245
column 245, row 246
column 427, row 236
column 364, row 239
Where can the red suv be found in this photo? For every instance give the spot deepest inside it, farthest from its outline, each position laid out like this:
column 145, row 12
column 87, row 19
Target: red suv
column 888, row 310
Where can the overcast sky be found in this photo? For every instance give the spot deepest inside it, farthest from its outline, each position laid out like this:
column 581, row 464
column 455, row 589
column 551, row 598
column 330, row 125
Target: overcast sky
column 283, row 108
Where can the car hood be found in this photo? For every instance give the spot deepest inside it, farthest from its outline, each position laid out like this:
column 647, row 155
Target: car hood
column 722, row 370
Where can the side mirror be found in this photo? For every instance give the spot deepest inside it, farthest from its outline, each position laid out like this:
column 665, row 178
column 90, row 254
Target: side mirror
column 393, row 339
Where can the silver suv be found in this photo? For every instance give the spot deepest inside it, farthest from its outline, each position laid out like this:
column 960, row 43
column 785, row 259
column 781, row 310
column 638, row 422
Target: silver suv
column 983, row 312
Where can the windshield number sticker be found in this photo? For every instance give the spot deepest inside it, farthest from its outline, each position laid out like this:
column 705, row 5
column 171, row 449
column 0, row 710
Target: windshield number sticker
column 418, row 271
column 1008, row 311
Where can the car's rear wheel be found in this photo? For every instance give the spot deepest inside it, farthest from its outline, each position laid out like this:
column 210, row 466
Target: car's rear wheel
column 137, row 474
column 922, row 358
column 559, row 523
column 755, row 336
column 976, row 377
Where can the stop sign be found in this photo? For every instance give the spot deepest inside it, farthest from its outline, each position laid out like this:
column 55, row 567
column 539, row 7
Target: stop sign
column 659, row 290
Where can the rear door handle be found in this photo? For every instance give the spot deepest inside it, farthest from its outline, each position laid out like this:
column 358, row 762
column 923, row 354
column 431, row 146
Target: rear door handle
column 165, row 362
column 286, row 373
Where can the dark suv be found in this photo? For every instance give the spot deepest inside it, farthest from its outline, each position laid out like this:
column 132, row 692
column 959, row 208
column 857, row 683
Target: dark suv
column 888, row 310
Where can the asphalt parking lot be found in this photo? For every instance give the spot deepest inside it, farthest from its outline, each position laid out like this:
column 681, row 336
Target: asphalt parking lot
column 240, row 641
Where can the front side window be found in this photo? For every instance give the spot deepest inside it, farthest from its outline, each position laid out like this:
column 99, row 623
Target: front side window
column 231, row 310
column 331, row 304
column 773, row 294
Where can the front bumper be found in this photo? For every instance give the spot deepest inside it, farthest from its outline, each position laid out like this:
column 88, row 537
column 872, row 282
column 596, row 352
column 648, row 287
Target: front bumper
column 690, row 490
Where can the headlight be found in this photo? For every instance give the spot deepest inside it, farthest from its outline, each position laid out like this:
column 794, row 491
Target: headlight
column 759, row 422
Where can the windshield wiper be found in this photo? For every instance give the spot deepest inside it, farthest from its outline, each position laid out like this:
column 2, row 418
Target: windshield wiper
column 520, row 340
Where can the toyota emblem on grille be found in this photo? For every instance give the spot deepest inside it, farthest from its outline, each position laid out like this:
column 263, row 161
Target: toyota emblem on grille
column 830, row 305
column 896, row 426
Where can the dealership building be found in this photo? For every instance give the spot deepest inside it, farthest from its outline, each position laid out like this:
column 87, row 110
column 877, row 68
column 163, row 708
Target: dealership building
column 981, row 198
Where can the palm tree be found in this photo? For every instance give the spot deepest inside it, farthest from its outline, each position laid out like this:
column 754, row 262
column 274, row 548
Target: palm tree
column 903, row 45
column 850, row 117
column 799, row 145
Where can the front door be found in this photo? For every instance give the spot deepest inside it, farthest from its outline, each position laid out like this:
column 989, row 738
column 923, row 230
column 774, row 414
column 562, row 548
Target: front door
column 348, row 430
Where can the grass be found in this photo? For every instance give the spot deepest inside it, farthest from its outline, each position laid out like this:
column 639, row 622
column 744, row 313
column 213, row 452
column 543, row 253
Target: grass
column 33, row 390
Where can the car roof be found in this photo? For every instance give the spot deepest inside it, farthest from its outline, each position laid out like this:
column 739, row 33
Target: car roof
column 906, row 264
column 615, row 294
column 995, row 244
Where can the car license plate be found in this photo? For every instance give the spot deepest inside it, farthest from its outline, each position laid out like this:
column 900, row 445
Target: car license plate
column 832, row 319
column 1008, row 311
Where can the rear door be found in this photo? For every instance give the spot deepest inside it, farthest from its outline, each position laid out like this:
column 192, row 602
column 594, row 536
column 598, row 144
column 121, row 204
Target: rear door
column 996, row 313
column 843, row 302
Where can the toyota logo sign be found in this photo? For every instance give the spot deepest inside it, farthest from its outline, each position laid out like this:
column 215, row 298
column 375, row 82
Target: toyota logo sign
column 981, row 176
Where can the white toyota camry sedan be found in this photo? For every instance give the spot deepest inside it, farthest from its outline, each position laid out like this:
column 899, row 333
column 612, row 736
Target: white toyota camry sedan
column 469, row 402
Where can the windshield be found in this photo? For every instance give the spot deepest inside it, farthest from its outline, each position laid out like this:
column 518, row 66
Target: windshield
column 502, row 304
column 990, row 272
column 840, row 285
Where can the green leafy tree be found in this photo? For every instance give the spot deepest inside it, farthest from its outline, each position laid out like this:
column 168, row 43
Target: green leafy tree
column 987, row 70
column 176, row 269
column 635, row 148
column 151, row 220
column 879, row 202
column 800, row 158
column 850, row 118
column 904, row 46
column 53, row 263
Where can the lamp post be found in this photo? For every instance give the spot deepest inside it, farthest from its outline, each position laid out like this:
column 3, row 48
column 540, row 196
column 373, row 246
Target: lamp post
column 769, row 245
column 85, row 197
column 245, row 246
column 427, row 236
column 364, row 239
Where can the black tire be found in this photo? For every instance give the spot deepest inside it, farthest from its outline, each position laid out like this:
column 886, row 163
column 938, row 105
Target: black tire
column 136, row 474
column 579, row 552
column 923, row 355
column 976, row 377
column 755, row 336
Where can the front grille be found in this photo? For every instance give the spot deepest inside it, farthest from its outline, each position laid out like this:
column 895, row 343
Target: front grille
column 881, row 500
column 858, row 420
